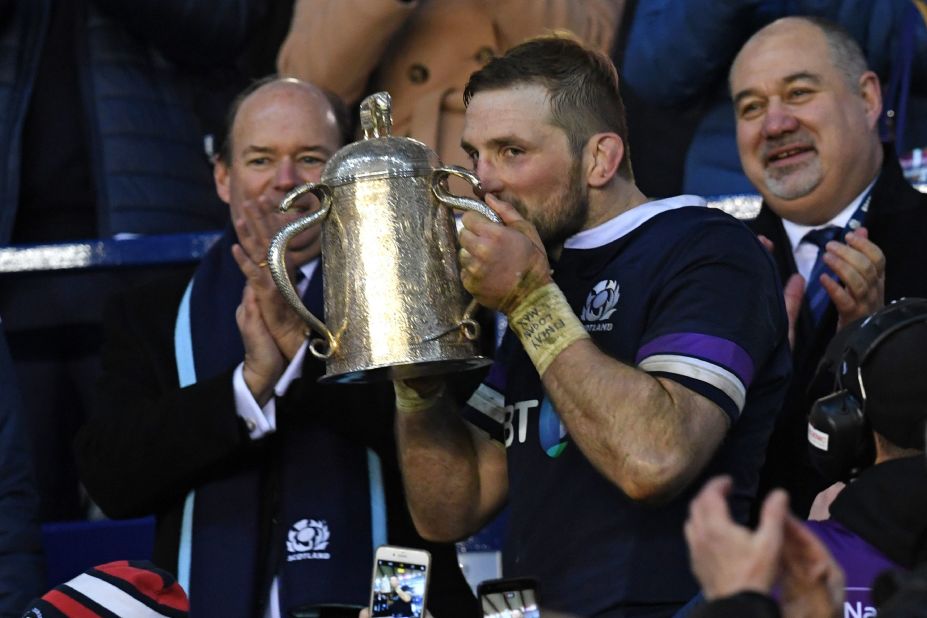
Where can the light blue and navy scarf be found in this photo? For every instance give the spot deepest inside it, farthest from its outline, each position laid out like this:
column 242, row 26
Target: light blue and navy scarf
column 326, row 491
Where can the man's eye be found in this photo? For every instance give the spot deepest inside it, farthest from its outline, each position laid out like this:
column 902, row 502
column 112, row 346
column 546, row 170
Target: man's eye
column 799, row 93
column 258, row 161
column 312, row 160
column 750, row 109
column 511, row 151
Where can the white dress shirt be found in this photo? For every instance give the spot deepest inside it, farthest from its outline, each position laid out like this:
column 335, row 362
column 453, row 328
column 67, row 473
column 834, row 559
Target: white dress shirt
column 806, row 253
column 262, row 421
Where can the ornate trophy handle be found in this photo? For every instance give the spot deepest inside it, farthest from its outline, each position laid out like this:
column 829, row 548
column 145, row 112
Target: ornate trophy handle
column 469, row 326
column 276, row 261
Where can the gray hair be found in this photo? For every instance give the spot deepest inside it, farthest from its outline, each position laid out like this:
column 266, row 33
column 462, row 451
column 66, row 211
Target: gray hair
column 845, row 52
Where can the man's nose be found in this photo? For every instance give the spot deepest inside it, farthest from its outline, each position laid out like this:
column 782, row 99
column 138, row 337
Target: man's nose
column 778, row 120
column 285, row 176
column 489, row 177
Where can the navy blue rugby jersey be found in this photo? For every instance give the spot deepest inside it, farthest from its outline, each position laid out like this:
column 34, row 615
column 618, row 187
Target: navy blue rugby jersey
column 678, row 290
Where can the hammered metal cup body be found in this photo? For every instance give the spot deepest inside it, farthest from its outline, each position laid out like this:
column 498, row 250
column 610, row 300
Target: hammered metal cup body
column 394, row 304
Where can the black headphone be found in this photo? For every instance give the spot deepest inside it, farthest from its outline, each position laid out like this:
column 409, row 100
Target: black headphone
column 839, row 435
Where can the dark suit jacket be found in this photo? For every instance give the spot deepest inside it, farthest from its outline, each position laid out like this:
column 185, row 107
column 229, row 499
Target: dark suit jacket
column 897, row 223
column 22, row 569
column 149, row 442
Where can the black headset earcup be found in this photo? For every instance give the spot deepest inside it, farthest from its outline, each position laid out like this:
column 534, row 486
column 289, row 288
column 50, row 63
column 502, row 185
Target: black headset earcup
column 839, row 438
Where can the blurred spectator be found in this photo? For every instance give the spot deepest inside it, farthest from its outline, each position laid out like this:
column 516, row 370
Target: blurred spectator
column 22, row 573
column 104, row 107
column 807, row 110
column 737, row 568
column 658, row 136
column 679, row 52
column 878, row 521
column 423, row 51
column 914, row 165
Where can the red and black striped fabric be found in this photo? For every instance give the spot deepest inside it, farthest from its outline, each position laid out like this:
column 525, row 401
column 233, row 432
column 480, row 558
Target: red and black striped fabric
column 122, row 589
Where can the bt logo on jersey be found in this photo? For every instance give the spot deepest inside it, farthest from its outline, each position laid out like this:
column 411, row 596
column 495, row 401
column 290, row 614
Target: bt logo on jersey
column 552, row 434
column 517, row 415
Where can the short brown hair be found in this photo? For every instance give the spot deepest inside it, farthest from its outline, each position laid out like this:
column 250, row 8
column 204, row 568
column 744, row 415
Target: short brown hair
column 582, row 86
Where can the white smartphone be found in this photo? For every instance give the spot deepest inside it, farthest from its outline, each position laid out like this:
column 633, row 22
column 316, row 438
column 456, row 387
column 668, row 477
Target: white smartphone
column 399, row 585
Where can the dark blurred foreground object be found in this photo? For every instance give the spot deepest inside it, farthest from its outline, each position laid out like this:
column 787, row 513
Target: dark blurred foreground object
column 21, row 563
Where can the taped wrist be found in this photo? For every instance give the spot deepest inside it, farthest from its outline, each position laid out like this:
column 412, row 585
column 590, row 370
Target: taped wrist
column 546, row 325
column 409, row 400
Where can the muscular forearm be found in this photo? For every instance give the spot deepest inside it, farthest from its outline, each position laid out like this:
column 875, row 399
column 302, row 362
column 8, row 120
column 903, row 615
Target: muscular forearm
column 649, row 436
column 454, row 478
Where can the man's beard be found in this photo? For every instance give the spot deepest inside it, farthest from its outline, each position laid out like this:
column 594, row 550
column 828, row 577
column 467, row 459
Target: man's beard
column 561, row 215
column 793, row 181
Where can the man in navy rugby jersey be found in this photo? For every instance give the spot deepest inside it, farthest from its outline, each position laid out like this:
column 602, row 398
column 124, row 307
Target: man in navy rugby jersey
column 647, row 349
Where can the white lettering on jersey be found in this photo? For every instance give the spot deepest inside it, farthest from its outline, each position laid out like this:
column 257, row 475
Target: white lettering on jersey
column 522, row 408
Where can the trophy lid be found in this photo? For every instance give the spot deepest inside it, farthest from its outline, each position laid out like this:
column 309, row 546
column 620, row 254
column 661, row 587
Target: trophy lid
column 379, row 155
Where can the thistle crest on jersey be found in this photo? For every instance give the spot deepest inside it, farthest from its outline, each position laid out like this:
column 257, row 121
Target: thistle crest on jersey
column 601, row 301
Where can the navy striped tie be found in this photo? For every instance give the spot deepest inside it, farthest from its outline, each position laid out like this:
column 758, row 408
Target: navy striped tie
column 814, row 292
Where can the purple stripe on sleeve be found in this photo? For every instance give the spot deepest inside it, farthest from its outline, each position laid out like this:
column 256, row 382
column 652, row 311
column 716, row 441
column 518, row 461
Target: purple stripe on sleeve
column 706, row 347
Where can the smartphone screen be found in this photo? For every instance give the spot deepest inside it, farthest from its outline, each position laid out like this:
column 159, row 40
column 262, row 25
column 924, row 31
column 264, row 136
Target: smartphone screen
column 398, row 589
column 513, row 598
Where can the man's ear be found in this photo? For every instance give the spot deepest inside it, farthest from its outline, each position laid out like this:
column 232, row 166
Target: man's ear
column 871, row 92
column 605, row 152
column 220, row 174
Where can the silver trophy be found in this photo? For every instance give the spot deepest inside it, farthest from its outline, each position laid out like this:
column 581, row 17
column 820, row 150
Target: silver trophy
column 394, row 304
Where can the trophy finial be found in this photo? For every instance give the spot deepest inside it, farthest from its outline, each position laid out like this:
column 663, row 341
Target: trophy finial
column 376, row 115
